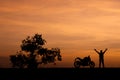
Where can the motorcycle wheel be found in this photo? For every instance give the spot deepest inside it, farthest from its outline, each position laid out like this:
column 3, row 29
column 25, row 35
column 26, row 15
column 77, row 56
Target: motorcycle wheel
column 92, row 64
column 77, row 64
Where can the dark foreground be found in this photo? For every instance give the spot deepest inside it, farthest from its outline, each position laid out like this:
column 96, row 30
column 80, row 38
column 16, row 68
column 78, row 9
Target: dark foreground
column 60, row 74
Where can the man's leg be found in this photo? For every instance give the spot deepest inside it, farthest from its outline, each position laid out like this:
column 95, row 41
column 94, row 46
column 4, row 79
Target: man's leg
column 103, row 63
column 99, row 63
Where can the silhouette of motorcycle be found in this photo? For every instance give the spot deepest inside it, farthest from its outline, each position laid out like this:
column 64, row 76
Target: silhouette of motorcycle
column 86, row 61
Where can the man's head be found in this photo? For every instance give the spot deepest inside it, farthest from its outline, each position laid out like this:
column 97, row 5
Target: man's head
column 100, row 51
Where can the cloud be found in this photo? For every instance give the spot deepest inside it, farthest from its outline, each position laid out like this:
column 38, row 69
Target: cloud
column 80, row 21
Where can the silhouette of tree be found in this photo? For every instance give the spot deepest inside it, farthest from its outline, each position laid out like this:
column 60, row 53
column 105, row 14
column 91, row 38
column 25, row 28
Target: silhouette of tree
column 31, row 48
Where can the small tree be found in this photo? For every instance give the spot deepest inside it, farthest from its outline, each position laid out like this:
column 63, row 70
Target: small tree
column 32, row 47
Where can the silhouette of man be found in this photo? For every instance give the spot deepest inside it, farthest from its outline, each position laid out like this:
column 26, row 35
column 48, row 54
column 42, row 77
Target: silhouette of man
column 101, row 57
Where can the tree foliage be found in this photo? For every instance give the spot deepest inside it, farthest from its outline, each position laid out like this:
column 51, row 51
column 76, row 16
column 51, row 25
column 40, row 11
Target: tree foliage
column 31, row 49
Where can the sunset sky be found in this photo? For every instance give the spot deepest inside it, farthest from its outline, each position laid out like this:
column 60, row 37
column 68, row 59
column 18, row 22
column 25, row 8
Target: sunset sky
column 75, row 26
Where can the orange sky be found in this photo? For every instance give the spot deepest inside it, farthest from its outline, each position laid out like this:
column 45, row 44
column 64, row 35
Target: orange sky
column 76, row 26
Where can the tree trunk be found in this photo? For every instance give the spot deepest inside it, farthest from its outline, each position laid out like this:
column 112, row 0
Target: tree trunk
column 32, row 62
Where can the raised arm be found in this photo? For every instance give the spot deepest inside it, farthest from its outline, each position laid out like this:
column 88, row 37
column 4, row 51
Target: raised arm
column 96, row 51
column 105, row 50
